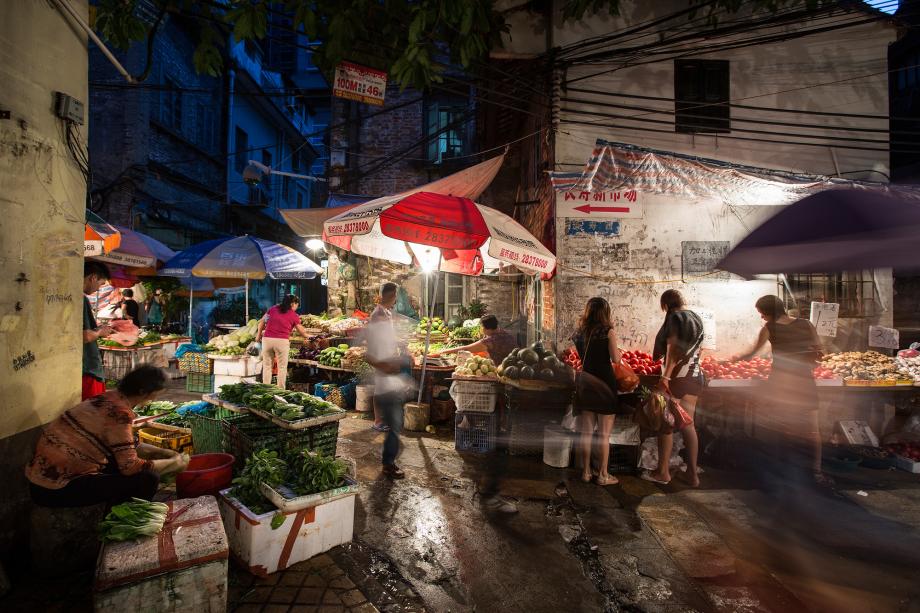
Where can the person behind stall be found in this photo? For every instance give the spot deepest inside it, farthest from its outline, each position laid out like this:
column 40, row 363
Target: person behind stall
column 679, row 342
column 129, row 307
column 155, row 308
column 495, row 341
column 792, row 419
column 90, row 454
column 390, row 386
column 95, row 275
column 274, row 332
column 596, row 343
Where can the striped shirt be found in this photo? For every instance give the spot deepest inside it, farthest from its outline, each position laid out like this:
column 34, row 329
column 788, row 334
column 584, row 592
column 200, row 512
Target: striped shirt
column 91, row 438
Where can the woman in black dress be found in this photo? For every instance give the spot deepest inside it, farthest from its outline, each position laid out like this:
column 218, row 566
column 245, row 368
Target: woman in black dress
column 596, row 343
column 792, row 417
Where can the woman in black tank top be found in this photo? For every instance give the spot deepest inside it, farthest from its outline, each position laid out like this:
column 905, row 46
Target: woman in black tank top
column 793, row 410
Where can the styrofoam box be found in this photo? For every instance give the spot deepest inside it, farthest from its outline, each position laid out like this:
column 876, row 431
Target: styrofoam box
column 229, row 379
column 244, row 366
column 304, row 533
column 906, row 464
column 183, row 568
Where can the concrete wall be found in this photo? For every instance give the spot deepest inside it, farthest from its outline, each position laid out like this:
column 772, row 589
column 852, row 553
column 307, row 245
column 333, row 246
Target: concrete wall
column 43, row 198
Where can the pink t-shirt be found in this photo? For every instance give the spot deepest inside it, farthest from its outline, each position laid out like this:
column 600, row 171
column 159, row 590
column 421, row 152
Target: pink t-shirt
column 278, row 324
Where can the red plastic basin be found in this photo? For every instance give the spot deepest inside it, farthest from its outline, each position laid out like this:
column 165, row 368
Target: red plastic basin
column 207, row 474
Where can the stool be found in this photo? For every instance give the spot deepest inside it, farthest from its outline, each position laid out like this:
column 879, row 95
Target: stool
column 66, row 540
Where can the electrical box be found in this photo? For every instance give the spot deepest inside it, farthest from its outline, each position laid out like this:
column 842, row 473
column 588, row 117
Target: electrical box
column 68, row 108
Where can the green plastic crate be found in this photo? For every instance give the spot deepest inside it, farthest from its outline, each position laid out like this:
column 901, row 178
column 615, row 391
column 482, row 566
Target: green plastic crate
column 207, row 433
column 199, row 382
column 243, row 435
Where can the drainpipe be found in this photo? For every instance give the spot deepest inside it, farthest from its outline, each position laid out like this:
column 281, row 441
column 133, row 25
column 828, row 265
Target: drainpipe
column 231, row 75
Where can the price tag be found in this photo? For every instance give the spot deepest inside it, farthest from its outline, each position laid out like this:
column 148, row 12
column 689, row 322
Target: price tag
column 824, row 317
column 709, row 327
column 880, row 336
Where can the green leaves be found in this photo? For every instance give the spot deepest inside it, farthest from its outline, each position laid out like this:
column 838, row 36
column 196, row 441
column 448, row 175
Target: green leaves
column 249, row 20
column 132, row 520
column 117, row 22
column 311, row 473
column 278, row 520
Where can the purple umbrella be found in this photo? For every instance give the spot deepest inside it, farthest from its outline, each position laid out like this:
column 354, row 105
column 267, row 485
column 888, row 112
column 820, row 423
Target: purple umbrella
column 833, row 230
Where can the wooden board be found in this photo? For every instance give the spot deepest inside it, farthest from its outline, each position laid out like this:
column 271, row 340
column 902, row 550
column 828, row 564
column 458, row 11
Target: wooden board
column 534, row 385
column 300, row 424
column 316, row 364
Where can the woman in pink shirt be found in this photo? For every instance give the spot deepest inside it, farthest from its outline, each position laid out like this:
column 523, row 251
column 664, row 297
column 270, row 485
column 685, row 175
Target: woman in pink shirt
column 275, row 333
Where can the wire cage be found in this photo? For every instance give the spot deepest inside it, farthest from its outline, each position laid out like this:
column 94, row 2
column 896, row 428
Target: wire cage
column 475, row 432
column 243, row 435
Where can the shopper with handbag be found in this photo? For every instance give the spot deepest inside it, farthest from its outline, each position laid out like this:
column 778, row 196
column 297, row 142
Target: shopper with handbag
column 596, row 397
column 679, row 342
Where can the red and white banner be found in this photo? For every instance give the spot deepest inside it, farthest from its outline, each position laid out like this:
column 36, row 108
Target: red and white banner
column 360, row 83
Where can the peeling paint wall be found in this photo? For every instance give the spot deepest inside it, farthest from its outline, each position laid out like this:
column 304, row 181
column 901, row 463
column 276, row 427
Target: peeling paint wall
column 42, row 200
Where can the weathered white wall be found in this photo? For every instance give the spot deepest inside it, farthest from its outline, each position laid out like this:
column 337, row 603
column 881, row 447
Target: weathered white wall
column 42, row 198
column 634, row 287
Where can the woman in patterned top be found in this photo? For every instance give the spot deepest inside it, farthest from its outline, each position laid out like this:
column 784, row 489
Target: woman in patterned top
column 90, row 454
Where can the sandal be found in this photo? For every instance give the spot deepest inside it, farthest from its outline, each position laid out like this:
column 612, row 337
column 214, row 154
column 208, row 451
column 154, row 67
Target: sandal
column 583, row 480
column 610, row 480
column 647, row 476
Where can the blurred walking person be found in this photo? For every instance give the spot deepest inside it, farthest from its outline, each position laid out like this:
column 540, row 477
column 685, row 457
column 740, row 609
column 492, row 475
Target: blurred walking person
column 390, row 385
column 792, row 418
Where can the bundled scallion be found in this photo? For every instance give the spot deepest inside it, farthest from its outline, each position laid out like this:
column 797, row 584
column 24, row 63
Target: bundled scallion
column 133, row 519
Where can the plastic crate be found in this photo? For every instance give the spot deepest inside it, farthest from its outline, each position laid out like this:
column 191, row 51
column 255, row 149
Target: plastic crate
column 167, row 439
column 243, row 435
column 195, row 362
column 474, row 396
column 624, row 460
column 475, row 432
column 207, row 434
column 199, row 383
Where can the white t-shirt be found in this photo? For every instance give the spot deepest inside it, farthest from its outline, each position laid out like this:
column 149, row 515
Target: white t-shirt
column 382, row 345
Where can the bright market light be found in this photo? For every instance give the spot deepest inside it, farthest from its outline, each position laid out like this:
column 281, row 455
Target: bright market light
column 428, row 257
column 314, row 244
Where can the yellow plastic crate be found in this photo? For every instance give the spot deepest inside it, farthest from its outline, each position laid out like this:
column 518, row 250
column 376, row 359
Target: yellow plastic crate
column 166, row 439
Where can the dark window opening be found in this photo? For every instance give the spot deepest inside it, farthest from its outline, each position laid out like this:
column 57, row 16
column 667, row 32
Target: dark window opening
column 853, row 291
column 241, row 154
column 446, row 128
column 701, row 96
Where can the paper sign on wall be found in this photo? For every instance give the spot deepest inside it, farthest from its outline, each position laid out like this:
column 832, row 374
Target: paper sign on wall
column 824, row 317
column 626, row 204
column 709, row 327
column 880, row 336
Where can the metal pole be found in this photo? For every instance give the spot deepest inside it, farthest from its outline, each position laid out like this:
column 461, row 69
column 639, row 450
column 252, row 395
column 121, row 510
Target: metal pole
column 247, row 300
column 421, row 383
column 191, row 296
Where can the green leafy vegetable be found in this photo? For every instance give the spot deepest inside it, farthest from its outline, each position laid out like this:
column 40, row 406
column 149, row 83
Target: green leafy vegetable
column 278, row 520
column 264, row 466
column 132, row 520
column 156, row 407
column 311, row 473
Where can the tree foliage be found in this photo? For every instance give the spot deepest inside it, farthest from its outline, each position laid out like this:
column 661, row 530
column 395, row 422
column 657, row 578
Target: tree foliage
column 413, row 40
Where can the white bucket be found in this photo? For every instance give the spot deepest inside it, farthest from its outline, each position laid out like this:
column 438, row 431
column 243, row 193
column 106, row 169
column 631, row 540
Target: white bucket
column 364, row 398
column 557, row 446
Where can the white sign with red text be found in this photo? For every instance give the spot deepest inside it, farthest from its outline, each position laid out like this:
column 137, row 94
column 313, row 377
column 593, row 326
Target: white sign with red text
column 622, row 204
column 360, row 83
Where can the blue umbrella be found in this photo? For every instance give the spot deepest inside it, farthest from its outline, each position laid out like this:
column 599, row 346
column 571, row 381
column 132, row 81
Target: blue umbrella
column 242, row 257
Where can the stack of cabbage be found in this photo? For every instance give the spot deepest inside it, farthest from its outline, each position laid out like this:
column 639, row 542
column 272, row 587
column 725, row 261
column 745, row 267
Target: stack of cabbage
column 236, row 342
column 476, row 366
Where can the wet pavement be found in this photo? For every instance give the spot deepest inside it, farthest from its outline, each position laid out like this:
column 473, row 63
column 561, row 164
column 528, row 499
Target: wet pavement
column 744, row 541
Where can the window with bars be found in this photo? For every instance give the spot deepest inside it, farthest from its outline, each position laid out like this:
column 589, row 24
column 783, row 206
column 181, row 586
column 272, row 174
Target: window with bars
column 701, row 96
column 446, row 129
column 855, row 292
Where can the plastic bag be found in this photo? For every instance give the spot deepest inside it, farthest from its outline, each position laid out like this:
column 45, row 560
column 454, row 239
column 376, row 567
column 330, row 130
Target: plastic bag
column 627, row 379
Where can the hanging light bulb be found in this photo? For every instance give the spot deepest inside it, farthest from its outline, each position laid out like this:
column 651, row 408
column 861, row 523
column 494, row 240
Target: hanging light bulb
column 315, row 244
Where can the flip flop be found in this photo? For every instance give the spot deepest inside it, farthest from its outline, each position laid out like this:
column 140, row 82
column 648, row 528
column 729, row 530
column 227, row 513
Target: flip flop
column 381, row 428
column 609, row 481
column 647, row 476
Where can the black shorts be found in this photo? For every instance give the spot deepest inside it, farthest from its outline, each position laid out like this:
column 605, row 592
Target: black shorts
column 686, row 386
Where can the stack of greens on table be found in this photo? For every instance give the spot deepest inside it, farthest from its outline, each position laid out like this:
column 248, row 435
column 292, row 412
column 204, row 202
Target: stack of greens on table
column 177, row 417
column 149, row 337
column 132, row 520
column 285, row 404
column 304, row 472
column 332, row 356
column 156, row 407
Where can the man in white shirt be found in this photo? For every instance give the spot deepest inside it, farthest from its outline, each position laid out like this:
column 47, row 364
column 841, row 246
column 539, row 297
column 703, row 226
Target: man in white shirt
column 389, row 385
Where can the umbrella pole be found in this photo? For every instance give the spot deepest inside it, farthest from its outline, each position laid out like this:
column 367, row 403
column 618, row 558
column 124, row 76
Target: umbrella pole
column 247, row 300
column 191, row 296
column 421, row 383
